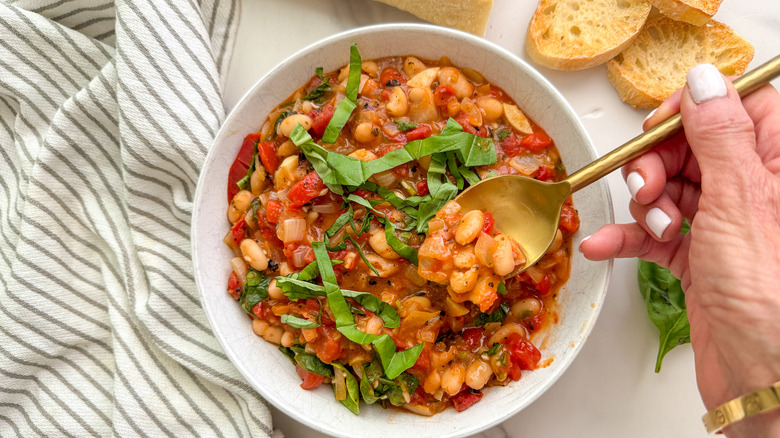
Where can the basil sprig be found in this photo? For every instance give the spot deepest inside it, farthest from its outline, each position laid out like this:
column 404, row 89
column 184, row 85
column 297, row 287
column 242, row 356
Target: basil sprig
column 255, row 289
column 665, row 301
column 346, row 105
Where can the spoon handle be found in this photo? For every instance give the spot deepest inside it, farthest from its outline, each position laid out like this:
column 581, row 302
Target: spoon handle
column 644, row 142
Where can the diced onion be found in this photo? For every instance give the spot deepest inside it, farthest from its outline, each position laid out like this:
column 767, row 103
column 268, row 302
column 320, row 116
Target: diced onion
column 411, row 274
column 535, row 273
column 299, row 256
column 526, row 164
column 294, row 229
column 325, row 208
column 385, row 179
column 339, row 384
column 239, row 267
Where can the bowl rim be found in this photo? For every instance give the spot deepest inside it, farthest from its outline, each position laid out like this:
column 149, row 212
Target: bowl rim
column 396, row 27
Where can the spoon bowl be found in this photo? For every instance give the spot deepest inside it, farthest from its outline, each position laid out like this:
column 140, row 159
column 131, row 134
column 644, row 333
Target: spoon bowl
column 528, row 210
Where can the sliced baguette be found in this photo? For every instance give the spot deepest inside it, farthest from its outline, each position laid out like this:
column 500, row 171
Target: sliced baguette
column 696, row 12
column 467, row 15
column 577, row 34
column 656, row 63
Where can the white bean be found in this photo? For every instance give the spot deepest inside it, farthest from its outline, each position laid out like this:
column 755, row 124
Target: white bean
column 254, row 255
column 239, row 205
column 503, row 259
column 288, row 338
column 463, row 281
column 453, row 378
column 478, row 374
column 470, row 226
column 289, row 123
column 273, row 335
column 274, row 291
column 378, row 242
column 366, row 132
column 398, row 104
column 526, row 307
column 259, row 326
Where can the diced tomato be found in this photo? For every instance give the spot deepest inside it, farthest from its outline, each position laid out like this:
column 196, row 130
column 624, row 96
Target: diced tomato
column 365, row 194
column 511, row 145
column 474, row 337
column 443, row 93
column 402, row 171
column 462, row 119
column 320, row 121
column 237, row 230
column 310, row 380
column 261, row 311
column 306, row 189
column 543, row 286
column 267, row 152
column 523, row 352
column 515, row 371
column 490, row 222
column 544, row 173
column 420, row 132
column 291, row 249
column 385, row 95
column 570, row 219
column 241, row 164
column 424, row 359
column 273, row 210
column 536, row 142
column 464, row 399
column 234, row 286
column 391, row 77
column 328, row 344
column 422, row 188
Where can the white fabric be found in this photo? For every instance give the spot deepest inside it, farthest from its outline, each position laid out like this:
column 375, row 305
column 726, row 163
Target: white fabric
column 107, row 110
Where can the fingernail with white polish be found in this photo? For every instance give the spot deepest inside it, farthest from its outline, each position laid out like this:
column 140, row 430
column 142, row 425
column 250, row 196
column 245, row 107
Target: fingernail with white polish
column 583, row 240
column 635, row 182
column 657, row 221
column 651, row 114
column 705, row 82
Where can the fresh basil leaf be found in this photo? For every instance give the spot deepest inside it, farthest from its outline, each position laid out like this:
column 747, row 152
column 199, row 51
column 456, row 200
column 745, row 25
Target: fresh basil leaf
column 400, row 388
column 394, row 362
column 404, row 126
column 665, row 301
column 397, row 245
column 297, row 322
column 318, row 71
column 319, row 94
column 352, row 402
column 380, row 308
column 367, row 392
column 332, row 292
column 503, row 133
column 354, row 334
column 255, row 289
column 283, row 115
column 453, row 166
column 493, row 349
column 501, row 288
column 363, row 256
column 469, row 175
column 498, row 315
column 341, row 170
column 287, row 351
column 372, row 371
column 348, row 104
column 312, row 363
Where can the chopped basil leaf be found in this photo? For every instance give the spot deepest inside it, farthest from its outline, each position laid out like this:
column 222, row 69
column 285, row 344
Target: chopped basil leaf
column 501, row 288
column 319, row 94
column 332, row 292
column 397, row 245
column 380, row 308
column 493, row 349
column 503, row 133
column 309, row 362
column 297, row 322
column 338, row 170
column 363, row 256
column 318, row 71
column 353, row 392
column 345, row 107
column 498, row 315
column 399, row 389
column 403, row 126
column 279, row 120
column 367, row 392
column 394, row 362
column 356, row 335
column 255, row 289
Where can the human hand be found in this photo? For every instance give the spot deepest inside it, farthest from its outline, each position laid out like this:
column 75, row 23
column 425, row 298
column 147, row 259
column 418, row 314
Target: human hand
column 723, row 175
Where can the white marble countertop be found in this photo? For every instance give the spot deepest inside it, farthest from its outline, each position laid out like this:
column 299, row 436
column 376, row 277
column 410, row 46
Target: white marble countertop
column 610, row 390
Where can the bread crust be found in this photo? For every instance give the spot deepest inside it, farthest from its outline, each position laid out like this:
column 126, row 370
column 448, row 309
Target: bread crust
column 469, row 16
column 696, row 12
column 657, row 62
column 578, row 34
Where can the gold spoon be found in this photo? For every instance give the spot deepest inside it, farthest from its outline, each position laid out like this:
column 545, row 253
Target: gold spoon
column 528, row 210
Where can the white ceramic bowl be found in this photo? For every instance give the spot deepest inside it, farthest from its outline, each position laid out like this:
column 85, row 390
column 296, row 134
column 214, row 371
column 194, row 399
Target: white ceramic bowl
column 270, row 372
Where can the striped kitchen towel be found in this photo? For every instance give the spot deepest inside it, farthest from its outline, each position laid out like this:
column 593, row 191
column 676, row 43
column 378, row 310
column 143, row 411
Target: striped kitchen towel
column 107, row 110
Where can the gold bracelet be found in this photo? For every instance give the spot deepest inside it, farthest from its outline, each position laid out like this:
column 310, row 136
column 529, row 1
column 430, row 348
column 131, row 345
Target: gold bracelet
column 742, row 407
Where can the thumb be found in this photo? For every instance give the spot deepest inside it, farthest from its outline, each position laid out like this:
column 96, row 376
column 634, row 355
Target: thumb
column 719, row 130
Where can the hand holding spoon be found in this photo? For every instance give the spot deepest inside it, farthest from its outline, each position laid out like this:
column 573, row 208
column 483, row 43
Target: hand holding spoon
column 528, row 210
